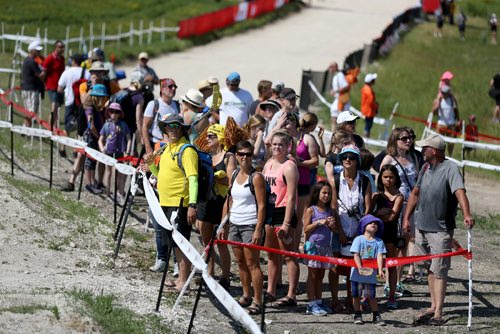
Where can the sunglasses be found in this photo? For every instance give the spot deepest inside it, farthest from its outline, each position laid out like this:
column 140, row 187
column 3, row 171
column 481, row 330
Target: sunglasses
column 244, row 154
column 173, row 125
column 349, row 156
column 211, row 136
column 405, row 138
column 172, row 86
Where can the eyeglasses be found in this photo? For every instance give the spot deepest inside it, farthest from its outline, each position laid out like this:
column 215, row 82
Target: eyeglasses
column 405, row 138
column 173, row 125
column 172, row 86
column 350, row 157
column 244, row 154
column 210, row 136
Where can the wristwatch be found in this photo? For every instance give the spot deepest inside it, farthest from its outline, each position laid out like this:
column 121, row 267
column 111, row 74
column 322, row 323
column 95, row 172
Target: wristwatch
column 193, row 205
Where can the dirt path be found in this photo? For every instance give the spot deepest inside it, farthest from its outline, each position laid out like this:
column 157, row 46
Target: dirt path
column 326, row 31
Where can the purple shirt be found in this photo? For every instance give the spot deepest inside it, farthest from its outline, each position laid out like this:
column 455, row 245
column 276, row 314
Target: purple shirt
column 98, row 118
column 115, row 137
column 321, row 235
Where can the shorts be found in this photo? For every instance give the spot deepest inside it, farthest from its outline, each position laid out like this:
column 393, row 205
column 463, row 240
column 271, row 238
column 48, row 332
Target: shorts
column 368, row 124
column 321, row 251
column 390, row 234
column 279, row 217
column 180, row 224
column 447, row 130
column 368, row 289
column 70, row 118
column 334, row 109
column 435, row 243
column 56, row 97
column 211, row 211
column 241, row 233
column 90, row 164
column 31, row 99
column 303, row 190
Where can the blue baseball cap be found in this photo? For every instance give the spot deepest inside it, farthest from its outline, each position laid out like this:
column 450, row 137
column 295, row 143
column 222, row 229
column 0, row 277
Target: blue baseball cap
column 99, row 90
column 234, row 77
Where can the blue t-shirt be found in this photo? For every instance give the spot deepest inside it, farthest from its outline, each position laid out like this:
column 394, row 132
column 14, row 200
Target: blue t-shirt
column 367, row 249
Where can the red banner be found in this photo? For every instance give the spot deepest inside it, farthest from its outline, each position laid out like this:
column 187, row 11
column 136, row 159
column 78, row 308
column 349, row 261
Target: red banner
column 199, row 25
column 389, row 262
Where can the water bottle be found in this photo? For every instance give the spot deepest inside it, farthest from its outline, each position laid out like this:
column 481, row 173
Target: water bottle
column 287, row 240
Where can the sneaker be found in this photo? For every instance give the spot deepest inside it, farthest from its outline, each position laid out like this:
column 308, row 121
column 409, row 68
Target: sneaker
column 377, row 320
column 159, row 266
column 358, row 319
column 392, row 305
column 68, row 187
column 93, row 190
column 402, row 291
column 175, row 272
column 315, row 310
column 100, row 186
column 325, row 308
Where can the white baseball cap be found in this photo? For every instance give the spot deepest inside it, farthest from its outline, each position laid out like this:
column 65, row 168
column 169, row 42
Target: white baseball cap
column 35, row 45
column 370, row 77
column 346, row 116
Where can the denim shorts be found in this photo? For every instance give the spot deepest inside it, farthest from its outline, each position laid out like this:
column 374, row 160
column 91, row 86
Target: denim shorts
column 367, row 289
column 56, row 97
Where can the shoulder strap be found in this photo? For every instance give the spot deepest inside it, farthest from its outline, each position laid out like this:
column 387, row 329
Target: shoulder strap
column 402, row 168
column 179, row 155
column 178, row 105
column 250, row 183
column 363, row 183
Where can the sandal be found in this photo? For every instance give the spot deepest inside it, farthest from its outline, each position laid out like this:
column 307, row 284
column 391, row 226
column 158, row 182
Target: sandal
column 254, row 309
column 436, row 322
column 286, row 302
column 269, row 298
column 423, row 318
column 245, row 301
column 338, row 307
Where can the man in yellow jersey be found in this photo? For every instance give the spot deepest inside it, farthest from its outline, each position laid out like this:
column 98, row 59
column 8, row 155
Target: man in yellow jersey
column 177, row 189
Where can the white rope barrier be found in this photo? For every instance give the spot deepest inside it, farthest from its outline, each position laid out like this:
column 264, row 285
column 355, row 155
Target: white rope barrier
column 236, row 311
column 4, row 124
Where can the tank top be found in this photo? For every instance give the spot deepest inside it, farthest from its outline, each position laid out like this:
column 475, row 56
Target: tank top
column 244, row 207
column 446, row 113
column 302, row 152
column 321, row 235
column 384, row 202
column 221, row 165
column 276, row 180
column 408, row 180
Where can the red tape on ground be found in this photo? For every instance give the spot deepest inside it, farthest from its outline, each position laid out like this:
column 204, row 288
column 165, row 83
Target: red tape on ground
column 389, row 262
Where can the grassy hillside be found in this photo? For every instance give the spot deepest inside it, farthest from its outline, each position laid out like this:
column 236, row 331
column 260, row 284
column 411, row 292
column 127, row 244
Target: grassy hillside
column 410, row 75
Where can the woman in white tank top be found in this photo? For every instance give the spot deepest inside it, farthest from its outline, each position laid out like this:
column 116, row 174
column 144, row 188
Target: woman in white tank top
column 247, row 212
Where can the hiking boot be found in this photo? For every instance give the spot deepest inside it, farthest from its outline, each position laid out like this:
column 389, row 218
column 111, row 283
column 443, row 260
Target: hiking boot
column 68, row 187
column 358, row 319
column 377, row 320
column 315, row 310
column 159, row 266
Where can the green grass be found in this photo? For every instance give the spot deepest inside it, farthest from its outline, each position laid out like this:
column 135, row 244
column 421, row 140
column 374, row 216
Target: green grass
column 32, row 309
column 115, row 319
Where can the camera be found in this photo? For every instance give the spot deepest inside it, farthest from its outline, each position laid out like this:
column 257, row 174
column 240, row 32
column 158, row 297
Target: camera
column 354, row 212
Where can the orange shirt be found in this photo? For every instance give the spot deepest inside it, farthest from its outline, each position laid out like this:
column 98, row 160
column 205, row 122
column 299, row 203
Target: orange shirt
column 368, row 105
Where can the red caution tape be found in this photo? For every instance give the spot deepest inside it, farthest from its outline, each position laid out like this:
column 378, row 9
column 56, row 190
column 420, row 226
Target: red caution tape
column 389, row 262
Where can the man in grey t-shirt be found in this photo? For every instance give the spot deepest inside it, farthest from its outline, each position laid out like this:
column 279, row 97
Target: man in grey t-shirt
column 434, row 199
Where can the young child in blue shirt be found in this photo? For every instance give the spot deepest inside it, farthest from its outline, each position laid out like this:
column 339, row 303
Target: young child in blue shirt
column 367, row 245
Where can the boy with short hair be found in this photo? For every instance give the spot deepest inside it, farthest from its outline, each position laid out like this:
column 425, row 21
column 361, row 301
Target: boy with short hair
column 367, row 245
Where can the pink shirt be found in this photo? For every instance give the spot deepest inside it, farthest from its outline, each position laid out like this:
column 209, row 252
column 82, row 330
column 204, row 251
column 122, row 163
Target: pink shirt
column 274, row 175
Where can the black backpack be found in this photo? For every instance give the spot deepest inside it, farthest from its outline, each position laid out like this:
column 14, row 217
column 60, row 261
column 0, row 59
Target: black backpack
column 270, row 197
column 124, row 99
column 81, row 120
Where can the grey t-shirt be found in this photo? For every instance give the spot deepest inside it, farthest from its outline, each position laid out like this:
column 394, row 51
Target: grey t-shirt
column 437, row 204
column 29, row 78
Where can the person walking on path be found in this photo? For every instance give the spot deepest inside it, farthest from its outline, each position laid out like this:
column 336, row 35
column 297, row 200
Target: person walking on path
column 434, row 200
column 340, row 92
column 369, row 105
column 32, row 78
column 150, row 77
column 446, row 107
column 493, row 28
